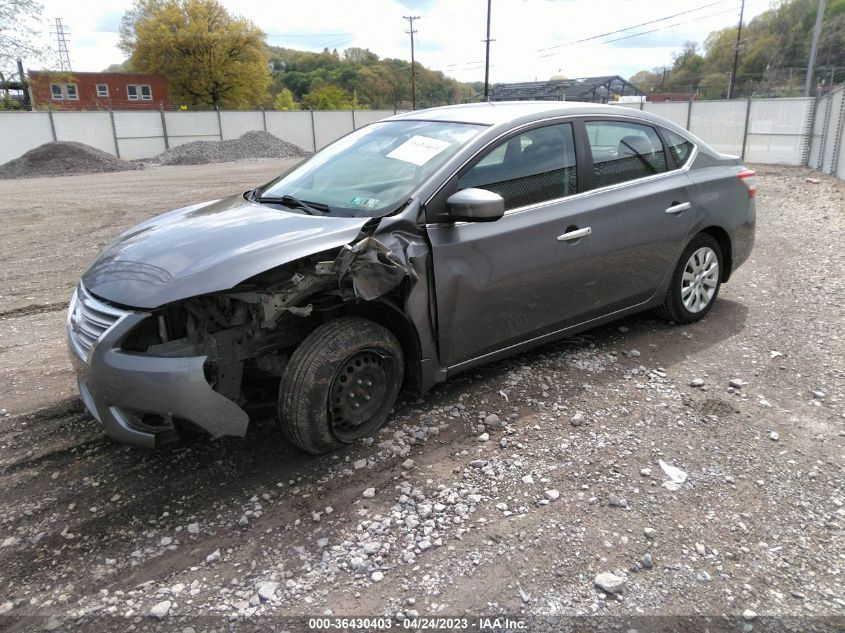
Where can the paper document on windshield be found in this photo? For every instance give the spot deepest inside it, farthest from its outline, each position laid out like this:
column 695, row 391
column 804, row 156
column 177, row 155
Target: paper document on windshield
column 418, row 150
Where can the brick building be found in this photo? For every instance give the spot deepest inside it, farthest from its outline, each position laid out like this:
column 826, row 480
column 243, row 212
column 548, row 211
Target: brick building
column 68, row 90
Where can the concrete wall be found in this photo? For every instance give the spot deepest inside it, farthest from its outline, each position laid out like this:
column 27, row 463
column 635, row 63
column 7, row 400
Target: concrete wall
column 782, row 131
column 138, row 134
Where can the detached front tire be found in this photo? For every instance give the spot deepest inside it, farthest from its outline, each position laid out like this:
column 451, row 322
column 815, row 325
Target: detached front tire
column 340, row 384
column 695, row 281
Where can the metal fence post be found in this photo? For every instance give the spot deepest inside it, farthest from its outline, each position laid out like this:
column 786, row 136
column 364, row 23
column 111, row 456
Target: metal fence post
column 641, row 103
column 689, row 111
column 828, row 106
column 747, row 123
column 809, row 139
column 264, row 118
column 837, row 136
column 313, row 129
column 114, row 133
column 219, row 121
column 52, row 124
column 353, row 119
column 164, row 126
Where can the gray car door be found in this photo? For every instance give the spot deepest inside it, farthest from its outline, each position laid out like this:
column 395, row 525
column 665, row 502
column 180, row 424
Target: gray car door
column 641, row 210
column 498, row 283
column 560, row 255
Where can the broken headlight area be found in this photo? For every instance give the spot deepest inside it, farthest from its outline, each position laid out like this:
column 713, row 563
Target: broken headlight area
column 247, row 334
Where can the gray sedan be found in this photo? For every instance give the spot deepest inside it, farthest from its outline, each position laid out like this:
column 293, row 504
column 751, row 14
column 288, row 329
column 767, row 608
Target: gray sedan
column 406, row 252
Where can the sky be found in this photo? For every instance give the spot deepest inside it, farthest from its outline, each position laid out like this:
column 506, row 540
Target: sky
column 533, row 39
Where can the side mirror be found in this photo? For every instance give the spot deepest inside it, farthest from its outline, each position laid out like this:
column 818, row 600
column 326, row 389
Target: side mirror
column 475, row 205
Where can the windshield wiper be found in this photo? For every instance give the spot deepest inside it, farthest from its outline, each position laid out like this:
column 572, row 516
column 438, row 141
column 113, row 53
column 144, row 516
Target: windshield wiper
column 312, row 208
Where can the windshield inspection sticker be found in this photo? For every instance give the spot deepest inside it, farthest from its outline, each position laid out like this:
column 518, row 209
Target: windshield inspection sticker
column 418, row 150
column 367, row 203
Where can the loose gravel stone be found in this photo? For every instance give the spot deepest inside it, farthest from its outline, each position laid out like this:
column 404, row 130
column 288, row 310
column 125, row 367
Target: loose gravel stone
column 609, row 582
column 161, row 609
column 266, row 590
column 617, row 502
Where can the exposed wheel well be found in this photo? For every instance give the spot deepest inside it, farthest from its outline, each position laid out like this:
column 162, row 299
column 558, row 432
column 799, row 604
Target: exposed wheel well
column 724, row 240
column 391, row 317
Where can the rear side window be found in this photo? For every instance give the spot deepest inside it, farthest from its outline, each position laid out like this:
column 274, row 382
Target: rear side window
column 679, row 147
column 530, row 168
column 624, row 151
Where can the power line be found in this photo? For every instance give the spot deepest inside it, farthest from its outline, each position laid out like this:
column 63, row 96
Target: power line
column 474, row 65
column 622, row 30
column 635, row 26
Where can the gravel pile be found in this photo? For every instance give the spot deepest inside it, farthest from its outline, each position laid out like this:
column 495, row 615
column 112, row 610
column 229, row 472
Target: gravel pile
column 250, row 146
column 65, row 158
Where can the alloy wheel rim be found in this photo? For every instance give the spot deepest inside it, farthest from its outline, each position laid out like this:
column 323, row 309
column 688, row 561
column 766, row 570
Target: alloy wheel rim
column 700, row 279
column 358, row 392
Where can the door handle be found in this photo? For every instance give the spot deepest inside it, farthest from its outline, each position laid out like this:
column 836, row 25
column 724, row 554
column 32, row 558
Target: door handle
column 679, row 208
column 574, row 235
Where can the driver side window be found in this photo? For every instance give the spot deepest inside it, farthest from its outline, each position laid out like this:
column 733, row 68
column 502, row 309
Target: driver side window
column 527, row 169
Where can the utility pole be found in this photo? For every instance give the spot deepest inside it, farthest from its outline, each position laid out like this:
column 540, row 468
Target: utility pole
column 411, row 31
column 487, row 56
column 817, row 31
column 736, row 51
column 60, row 31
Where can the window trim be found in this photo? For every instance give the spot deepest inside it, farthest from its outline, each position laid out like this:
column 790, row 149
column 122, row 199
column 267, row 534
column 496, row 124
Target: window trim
column 104, row 92
column 75, row 97
column 609, row 119
column 578, row 120
column 660, row 129
column 141, row 92
column 129, row 95
column 579, row 182
column 53, row 95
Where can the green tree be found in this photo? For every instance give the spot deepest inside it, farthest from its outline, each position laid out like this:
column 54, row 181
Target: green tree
column 284, row 100
column 327, row 97
column 208, row 56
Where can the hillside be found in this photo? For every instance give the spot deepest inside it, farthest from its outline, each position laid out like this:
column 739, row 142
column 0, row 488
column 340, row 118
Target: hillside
column 773, row 55
column 359, row 78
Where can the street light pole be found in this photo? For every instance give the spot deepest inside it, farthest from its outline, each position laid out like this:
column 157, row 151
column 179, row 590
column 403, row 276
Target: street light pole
column 411, row 31
column 736, row 51
column 817, row 31
column 487, row 56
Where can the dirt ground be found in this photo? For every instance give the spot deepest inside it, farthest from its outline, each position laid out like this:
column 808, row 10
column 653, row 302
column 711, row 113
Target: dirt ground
column 506, row 491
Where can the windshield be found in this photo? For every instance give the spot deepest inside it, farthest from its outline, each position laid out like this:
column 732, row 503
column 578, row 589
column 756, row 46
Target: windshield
column 373, row 170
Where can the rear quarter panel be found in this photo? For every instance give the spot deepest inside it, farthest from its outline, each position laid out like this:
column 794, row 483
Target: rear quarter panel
column 723, row 201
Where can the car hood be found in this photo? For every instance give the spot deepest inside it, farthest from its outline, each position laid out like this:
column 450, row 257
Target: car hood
column 208, row 247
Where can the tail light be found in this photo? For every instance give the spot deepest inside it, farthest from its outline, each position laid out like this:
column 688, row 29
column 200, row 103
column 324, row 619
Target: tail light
column 749, row 179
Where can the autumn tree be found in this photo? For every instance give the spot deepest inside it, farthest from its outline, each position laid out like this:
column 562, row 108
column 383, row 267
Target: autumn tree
column 19, row 34
column 284, row 100
column 208, row 56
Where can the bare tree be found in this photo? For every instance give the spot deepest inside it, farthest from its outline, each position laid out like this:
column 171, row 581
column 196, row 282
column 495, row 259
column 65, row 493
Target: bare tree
column 19, row 32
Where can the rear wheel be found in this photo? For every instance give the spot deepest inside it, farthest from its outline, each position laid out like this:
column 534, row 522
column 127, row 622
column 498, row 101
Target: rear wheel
column 340, row 384
column 695, row 282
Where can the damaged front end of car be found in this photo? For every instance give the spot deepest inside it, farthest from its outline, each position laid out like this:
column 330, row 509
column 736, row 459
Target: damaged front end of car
column 200, row 362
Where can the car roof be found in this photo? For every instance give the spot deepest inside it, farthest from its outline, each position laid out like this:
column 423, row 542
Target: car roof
column 498, row 112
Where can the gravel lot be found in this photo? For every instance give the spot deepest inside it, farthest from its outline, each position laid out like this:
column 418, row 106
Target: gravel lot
column 516, row 489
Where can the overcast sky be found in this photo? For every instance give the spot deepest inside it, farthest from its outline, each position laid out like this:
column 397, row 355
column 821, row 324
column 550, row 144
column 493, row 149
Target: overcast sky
column 534, row 39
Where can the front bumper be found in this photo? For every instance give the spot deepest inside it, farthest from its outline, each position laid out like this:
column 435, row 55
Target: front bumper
column 119, row 388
